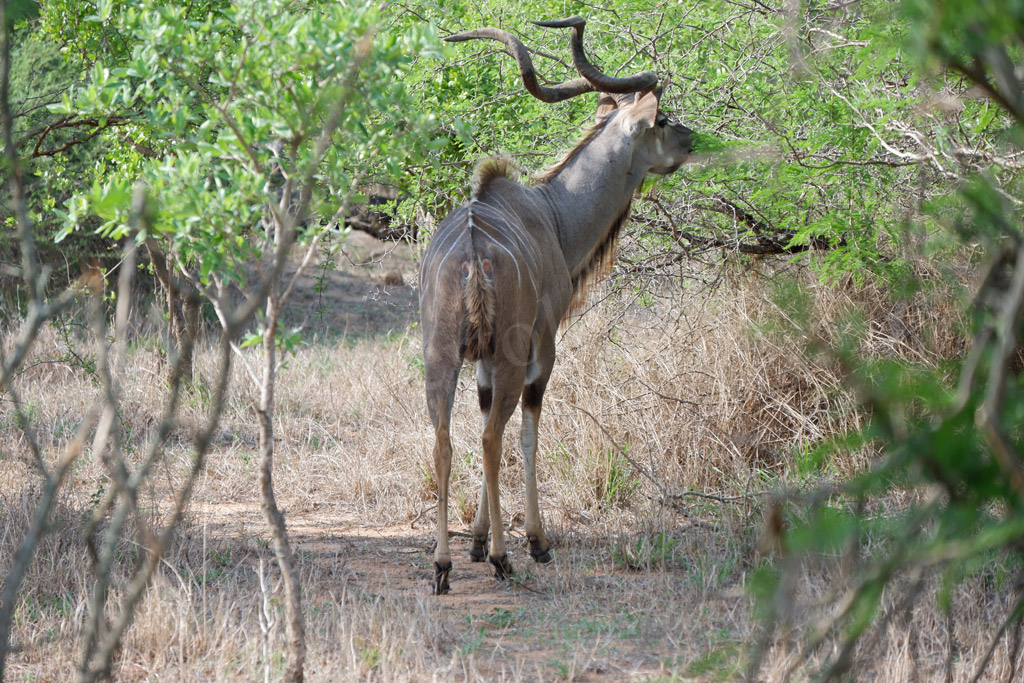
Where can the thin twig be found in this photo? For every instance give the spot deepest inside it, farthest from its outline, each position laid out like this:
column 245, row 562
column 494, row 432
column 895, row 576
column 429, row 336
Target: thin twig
column 1012, row 616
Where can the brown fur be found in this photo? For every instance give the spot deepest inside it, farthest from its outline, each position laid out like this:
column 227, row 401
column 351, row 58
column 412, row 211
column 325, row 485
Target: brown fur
column 480, row 302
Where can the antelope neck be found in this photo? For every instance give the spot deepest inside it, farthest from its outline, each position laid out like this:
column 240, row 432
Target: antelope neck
column 588, row 195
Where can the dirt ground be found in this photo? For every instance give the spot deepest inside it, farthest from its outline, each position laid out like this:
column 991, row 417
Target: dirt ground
column 369, row 293
column 392, row 559
column 580, row 618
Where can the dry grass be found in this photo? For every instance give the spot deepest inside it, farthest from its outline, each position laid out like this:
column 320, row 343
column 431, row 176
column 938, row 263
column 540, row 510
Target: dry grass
column 647, row 401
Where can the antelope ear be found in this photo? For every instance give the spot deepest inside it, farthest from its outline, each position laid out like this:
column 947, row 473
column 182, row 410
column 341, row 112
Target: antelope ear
column 606, row 104
column 645, row 110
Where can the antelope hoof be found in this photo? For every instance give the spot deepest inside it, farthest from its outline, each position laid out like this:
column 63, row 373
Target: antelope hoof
column 502, row 567
column 543, row 557
column 441, row 572
column 479, row 551
column 539, row 554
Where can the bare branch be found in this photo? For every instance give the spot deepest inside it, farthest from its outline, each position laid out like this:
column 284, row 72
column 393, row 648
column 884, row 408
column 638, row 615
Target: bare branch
column 97, row 660
column 989, row 416
column 34, row 534
column 38, row 313
column 1012, row 616
column 97, row 125
column 637, row 467
column 775, row 243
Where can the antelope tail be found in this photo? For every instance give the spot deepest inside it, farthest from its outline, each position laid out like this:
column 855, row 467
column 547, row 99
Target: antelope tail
column 479, row 301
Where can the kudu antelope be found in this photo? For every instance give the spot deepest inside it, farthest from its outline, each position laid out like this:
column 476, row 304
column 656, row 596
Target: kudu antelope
column 501, row 272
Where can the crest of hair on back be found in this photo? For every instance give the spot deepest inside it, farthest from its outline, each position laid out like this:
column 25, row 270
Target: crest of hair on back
column 491, row 168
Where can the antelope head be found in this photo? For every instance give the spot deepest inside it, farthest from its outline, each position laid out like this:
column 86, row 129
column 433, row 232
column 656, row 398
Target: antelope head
column 631, row 103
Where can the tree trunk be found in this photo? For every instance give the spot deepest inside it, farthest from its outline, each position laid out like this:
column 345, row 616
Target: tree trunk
column 183, row 309
column 294, row 621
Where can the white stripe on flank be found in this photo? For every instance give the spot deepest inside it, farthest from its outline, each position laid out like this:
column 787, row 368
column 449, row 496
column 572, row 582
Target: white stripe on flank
column 508, row 231
column 521, row 233
column 501, row 226
column 513, row 232
column 515, row 262
column 437, row 271
column 437, row 243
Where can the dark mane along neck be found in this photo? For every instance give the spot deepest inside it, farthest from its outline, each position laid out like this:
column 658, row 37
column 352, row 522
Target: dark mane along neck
column 588, row 135
column 598, row 264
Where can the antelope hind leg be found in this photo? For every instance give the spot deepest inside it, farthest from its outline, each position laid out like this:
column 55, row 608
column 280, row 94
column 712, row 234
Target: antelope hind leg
column 440, row 586
column 442, row 377
column 481, row 524
column 498, row 555
column 502, row 567
column 442, row 554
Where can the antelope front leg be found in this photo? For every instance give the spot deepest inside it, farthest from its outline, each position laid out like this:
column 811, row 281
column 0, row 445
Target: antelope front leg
column 442, row 467
column 539, row 546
